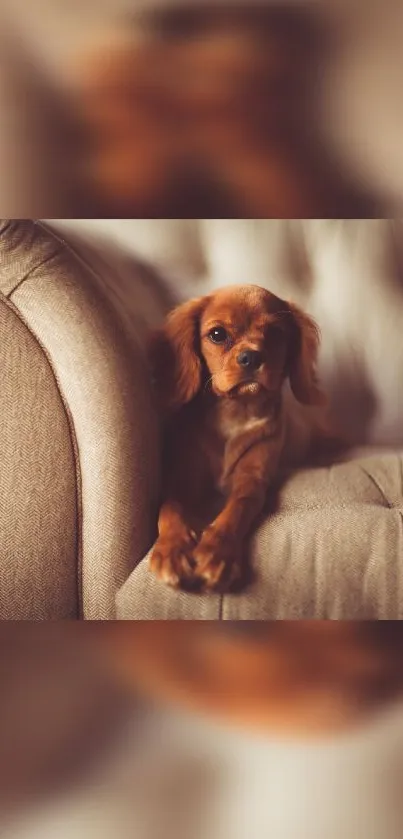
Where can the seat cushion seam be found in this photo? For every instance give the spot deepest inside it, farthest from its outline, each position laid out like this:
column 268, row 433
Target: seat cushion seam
column 31, row 271
column 377, row 485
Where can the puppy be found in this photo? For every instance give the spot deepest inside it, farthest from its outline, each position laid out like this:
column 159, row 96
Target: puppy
column 235, row 375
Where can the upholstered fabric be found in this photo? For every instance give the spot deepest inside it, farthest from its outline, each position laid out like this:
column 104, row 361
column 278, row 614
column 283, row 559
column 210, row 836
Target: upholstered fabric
column 333, row 550
column 38, row 511
column 79, row 436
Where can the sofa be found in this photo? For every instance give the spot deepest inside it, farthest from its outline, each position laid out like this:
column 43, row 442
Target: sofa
column 81, row 435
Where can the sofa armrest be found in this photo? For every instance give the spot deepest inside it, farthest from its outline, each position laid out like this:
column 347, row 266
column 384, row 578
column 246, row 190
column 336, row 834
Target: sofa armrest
column 96, row 358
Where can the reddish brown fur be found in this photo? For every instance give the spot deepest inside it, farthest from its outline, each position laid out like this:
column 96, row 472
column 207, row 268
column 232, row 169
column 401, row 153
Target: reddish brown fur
column 229, row 430
column 206, row 115
column 304, row 677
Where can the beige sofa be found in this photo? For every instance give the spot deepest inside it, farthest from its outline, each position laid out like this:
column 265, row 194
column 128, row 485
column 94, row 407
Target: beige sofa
column 80, row 437
column 79, row 458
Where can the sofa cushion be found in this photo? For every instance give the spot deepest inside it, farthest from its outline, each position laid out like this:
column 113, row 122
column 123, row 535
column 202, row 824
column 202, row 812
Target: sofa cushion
column 332, row 550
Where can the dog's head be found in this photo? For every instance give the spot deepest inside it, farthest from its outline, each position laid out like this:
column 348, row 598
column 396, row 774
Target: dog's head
column 240, row 341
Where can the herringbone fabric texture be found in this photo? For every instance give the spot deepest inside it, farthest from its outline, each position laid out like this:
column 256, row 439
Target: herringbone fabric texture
column 79, row 437
column 333, row 550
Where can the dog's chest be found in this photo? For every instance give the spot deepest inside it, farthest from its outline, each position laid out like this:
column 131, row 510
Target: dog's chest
column 224, row 430
column 233, row 423
column 230, row 428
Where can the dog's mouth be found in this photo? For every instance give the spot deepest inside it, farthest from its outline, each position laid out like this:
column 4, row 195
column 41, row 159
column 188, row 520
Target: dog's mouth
column 249, row 387
column 246, row 386
column 243, row 388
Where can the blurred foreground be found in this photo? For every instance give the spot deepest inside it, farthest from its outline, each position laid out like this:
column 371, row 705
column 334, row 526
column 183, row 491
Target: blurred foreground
column 227, row 109
column 81, row 755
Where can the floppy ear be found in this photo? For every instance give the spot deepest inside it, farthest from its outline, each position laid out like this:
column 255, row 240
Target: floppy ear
column 305, row 342
column 175, row 357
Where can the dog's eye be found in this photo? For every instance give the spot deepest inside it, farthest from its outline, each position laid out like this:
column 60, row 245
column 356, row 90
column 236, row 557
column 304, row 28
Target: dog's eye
column 218, row 335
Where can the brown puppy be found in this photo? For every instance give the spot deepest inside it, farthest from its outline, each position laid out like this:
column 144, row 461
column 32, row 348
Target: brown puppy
column 207, row 111
column 222, row 365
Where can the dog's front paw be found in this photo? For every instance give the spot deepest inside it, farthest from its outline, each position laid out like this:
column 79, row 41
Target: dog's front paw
column 217, row 560
column 172, row 559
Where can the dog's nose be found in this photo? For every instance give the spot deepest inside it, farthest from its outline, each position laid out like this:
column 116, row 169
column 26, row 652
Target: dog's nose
column 250, row 359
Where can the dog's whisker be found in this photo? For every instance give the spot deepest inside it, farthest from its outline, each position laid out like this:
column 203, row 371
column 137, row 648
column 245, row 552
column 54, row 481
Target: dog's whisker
column 209, row 380
column 212, row 377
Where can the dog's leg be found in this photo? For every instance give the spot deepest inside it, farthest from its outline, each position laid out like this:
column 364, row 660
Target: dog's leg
column 219, row 554
column 179, row 524
column 172, row 556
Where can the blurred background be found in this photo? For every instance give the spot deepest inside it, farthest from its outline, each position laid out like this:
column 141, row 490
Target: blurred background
column 82, row 755
column 168, row 107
